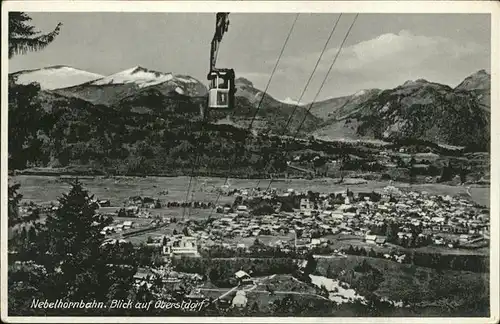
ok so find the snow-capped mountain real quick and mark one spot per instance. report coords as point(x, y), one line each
point(360, 93)
point(142, 77)
point(55, 77)
point(134, 81)
point(291, 101)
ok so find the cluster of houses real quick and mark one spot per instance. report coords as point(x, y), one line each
point(139, 203)
point(178, 283)
point(187, 287)
point(443, 219)
point(126, 225)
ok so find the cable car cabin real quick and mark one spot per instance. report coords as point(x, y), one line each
point(222, 89)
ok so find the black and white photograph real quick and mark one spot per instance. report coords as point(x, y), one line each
point(250, 161)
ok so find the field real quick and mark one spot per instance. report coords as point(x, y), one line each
point(118, 189)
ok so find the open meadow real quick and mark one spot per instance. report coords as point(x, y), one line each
point(119, 189)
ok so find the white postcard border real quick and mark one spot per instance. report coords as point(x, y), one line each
point(491, 7)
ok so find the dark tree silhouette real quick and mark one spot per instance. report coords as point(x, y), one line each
point(24, 38)
point(71, 262)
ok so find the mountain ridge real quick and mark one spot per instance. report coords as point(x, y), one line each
point(110, 89)
point(369, 114)
point(421, 109)
point(145, 130)
point(54, 77)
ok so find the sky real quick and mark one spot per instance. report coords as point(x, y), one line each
point(381, 51)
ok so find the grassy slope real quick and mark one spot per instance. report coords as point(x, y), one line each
point(417, 284)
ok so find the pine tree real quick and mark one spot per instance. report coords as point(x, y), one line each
point(26, 118)
point(24, 281)
point(23, 37)
point(391, 232)
point(24, 275)
point(74, 245)
point(24, 228)
point(25, 113)
point(463, 175)
point(329, 272)
point(446, 173)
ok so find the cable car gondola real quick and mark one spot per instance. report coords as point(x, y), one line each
point(221, 81)
point(221, 89)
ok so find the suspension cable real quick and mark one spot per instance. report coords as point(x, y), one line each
point(334, 27)
point(312, 74)
point(322, 83)
point(195, 163)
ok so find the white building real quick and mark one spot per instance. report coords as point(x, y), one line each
point(242, 208)
point(128, 224)
point(186, 246)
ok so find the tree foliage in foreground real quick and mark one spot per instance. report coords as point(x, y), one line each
point(65, 259)
point(24, 38)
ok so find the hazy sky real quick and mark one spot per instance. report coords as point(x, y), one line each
point(382, 50)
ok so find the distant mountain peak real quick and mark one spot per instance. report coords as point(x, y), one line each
point(55, 77)
point(55, 67)
point(481, 72)
point(397, 114)
point(243, 81)
point(138, 75)
point(135, 69)
point(365, 92)
point(359, 93)
point(291, 101)
point(139, 69)
point(415, 82)
point(479, 80)
point(132, 82)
